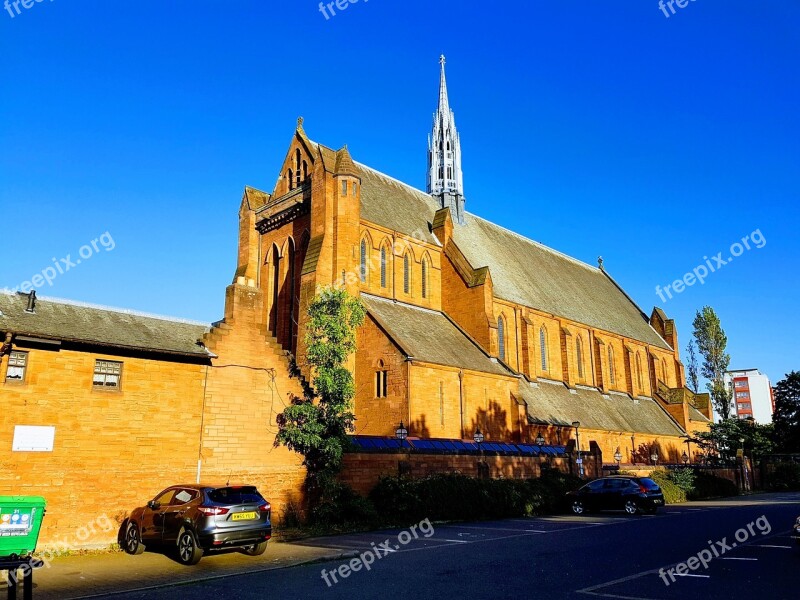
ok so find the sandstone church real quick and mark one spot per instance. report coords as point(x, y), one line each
point(471, 328)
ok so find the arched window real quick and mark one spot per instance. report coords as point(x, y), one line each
point(425, 277)
point(297, 164)
point(543, 347)
point(663, 370)
point(579, 347)
point(363, 268)
point(381, 381)
point(639, 371)
point(611, 370)
point(305, 170)
point(501, 338)
point(407, 274)
point(290, 178)
point(383, 267)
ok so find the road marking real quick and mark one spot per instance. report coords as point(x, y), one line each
point(456, 541)
point(691, 575)
point(736, 558)
point(770, 546)
point(496, 528)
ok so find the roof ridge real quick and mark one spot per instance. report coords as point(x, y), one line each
point(393, 179)
point(124, 311)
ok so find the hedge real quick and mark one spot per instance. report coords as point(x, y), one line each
point(454, 497)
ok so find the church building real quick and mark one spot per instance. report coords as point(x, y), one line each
point(470, 326)
point(473, 332)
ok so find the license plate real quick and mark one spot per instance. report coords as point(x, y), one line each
point(656, 501)
point(245, 516)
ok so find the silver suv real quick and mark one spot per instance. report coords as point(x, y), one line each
point(194, 519)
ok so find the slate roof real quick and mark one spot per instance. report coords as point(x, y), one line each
point(554, 404)
point(523, 271)
point(429, 336)
point(696, 415)
point(76, 322)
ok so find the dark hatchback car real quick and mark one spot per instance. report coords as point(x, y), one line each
point(632, 494)
point(193, 519)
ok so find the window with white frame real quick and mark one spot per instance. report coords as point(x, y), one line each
point(17, 366)
point(107, 374)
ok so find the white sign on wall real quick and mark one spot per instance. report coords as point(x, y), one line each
point(29, 438)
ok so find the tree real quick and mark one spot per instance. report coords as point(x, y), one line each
point(692, 369)
point(787, 413)
point(711, 343)
point(316, 426)
point(725, 438)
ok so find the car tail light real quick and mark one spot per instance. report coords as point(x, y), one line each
point(266, 507)
point(210, 511)
point(642, 489)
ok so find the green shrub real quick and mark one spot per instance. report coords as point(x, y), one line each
point(460, 498)
point(785, 477)
point(673, 493)
point(683, 478)
point(707, 486)
point(341, 505)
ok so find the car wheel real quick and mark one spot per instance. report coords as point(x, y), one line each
point(133, 539)
point(255, 549)
point(631, 507)
point(578, 508)
point(189, 553)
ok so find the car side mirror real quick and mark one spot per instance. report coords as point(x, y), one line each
point(153, 505)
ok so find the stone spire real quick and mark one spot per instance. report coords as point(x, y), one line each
point(445, 179)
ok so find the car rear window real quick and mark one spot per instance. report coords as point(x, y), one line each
point(648, 483)
point(235, 495)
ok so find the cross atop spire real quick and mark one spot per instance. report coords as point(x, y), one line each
point(445, 179)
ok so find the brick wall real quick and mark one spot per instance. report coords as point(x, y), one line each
point(113, 450)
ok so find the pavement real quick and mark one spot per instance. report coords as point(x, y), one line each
point(608, 555)
point(103, 574)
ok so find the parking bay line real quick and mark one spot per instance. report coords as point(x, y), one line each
point(498, 529)
point(770, 546)
point(735, 558)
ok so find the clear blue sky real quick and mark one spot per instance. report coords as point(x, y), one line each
point(598, 128)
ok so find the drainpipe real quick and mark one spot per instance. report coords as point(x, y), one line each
point(461, 399)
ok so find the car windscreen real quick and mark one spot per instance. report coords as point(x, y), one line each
point(648, 483)
point(235, 495)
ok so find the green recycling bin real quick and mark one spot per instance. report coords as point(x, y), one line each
point(20, 522)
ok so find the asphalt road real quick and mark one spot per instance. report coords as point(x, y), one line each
point(608, 556)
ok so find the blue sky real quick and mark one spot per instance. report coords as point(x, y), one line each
point(600, 128)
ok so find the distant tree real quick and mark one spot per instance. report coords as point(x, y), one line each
point(787, 413)
point(711, 343)
point(724, 439)
point(692, 369)
point(316, 426)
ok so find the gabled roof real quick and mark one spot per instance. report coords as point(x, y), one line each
point(429, 336)
point(67, 321)
point(552, 403)
point(523, 271)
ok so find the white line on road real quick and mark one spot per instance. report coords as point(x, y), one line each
point(735, 558)
point(691, 575)
point(496, 528)
point(770, 546)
